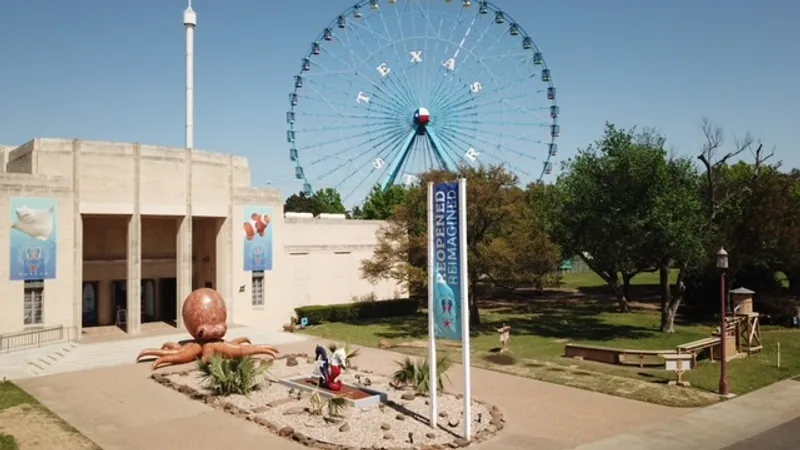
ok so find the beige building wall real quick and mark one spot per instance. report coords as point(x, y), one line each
point(134, 212)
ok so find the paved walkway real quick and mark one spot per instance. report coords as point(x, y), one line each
point(762, 418)
point(121, 408)
point(67, 357)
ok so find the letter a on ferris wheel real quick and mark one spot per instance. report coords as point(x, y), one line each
point(390, 89)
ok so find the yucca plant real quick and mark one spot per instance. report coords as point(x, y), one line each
point(416, 374)
point(334, 405)
point(240, 376)
point(348, 350)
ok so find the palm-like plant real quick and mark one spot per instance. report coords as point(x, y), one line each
point(348, 350)
point(416, 374)
point(240, 376)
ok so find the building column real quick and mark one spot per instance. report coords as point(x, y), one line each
point(184, 265)
point(222, 269)
point(184, 243)
point(77, 247)
point(134, 285)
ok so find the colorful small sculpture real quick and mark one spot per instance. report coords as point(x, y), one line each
point(206, 319)
point(505, 336)
point(328, 371)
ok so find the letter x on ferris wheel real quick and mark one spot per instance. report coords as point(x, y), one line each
point(393, 88)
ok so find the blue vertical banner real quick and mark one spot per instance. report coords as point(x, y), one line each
point(447, 262)
point(257, 242)
point(34, 238)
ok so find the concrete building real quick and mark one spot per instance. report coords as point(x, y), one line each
point(103, 233)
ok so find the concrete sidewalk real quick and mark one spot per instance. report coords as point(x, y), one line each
point(122, 408)
point(766, 414)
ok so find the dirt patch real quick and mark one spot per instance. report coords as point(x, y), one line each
point(36, 429)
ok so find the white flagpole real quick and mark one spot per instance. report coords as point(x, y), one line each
point(465, 347)
point(432, 379)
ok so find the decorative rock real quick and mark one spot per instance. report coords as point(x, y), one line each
point(452, 423)
point(443, 414)
point(408, 396)
point(280, 401)
point(385, 343)
point(344, 428)
point(386, 427)
point(430, 435)
point(388, 436)
point(291, 361)
point(460, 396)
point(294, 410)
point(400, 417)
point(187, 390)
point(286, 432)
point(458, 443)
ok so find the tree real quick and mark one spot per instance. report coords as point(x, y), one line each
point(600, 208)
point(502, 241)
point(324, 201)
point(380, 203)
point(718, 194)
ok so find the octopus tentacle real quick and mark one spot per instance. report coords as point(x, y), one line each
point(230, 351)
point(187, 353)
point(171, 346)
point(240, 341)
point(156, 352)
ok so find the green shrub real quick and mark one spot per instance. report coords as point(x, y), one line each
point(240, 376)
point(358, 311)
point(8, 442)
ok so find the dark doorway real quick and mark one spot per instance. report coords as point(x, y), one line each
point(89, 304)
point(120, 290)
point(168, 295)
point(148, 300)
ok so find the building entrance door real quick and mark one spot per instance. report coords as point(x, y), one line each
point(89, 304)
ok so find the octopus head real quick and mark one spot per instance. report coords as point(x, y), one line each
point(205, 315)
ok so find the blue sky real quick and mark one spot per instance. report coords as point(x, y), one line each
point(114, 70)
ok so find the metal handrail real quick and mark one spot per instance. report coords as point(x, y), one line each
point(31, 338)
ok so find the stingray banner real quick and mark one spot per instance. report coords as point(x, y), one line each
point(34, 238)
point(447, 229)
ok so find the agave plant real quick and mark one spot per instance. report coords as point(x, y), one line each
point(240, 376)
point(335, 405)
point(416, 374)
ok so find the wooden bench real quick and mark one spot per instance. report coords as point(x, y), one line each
point(695, 347)
point(610, 355)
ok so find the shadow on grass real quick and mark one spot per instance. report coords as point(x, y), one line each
point(549, 314)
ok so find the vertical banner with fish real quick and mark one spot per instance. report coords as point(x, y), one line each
point(34, 238)
point(258, 253)
point(448, 287)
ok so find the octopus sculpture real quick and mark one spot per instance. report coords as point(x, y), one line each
point(205, 318)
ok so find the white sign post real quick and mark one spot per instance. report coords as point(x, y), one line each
point(448, 285)
point(465, 347)
point(432, 384)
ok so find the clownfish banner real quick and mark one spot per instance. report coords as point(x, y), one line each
point(447, 268)
point(257, 229)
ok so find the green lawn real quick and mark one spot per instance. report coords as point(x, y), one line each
point(542, 326)
point(58, 432)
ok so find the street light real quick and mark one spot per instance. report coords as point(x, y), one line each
point(722, 266)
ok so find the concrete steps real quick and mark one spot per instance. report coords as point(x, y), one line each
point(74, 357)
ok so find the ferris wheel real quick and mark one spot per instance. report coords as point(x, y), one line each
point(394, 88)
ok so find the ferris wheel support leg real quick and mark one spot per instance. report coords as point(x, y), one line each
point(447, 160)
point(399, 162)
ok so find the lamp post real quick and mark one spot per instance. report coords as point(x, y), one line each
point(722, 266)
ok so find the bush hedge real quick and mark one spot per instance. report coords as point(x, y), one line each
point(358, 311)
